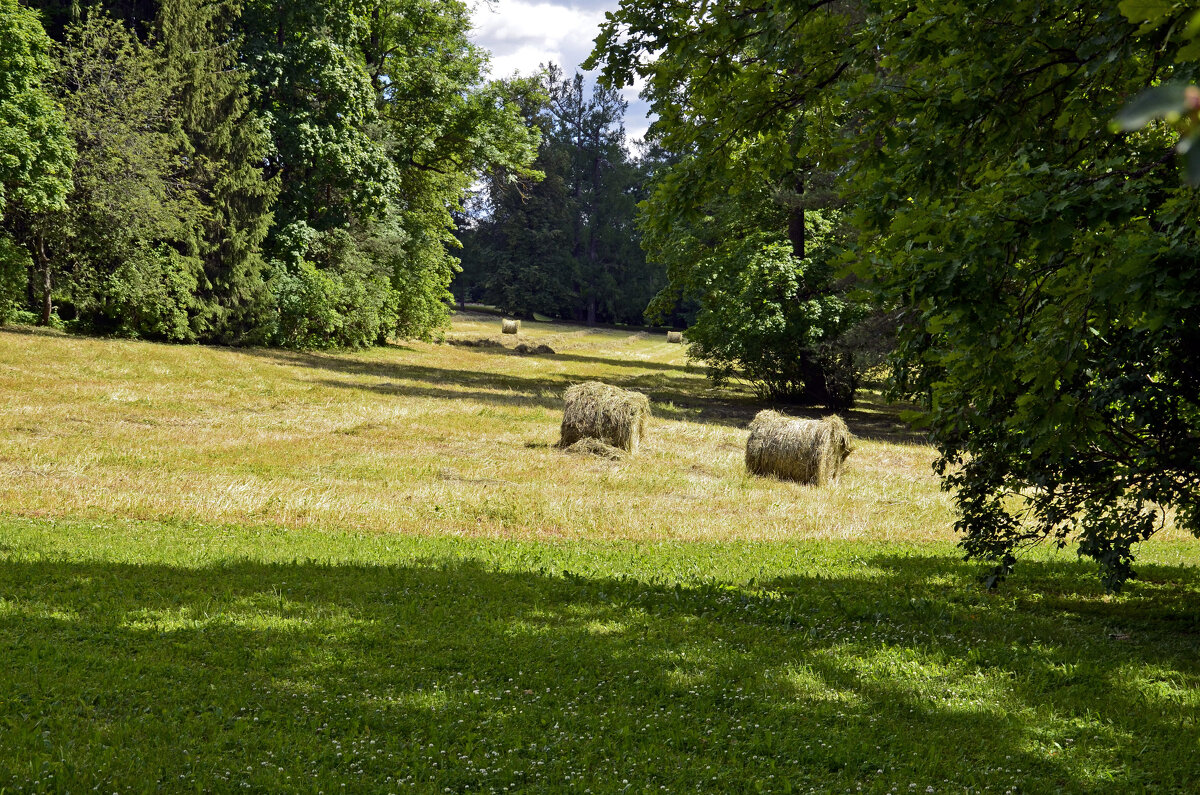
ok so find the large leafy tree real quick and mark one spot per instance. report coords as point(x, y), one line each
point(124, 243)
point(743, 216)
point(382, 120)
point(1046, 269)
point(1043, 269)
point(36, 150)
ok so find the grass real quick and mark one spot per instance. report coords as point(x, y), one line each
point(226, 570)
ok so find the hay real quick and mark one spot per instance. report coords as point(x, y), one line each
point(510, 326)
point(593, 410)
point(526, 350)
point(595, 447)
point(675, 337)
point(808, 451)
point(480, 343)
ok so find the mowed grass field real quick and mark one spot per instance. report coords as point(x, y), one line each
point(228, 570)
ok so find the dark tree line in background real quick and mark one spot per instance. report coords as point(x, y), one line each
point(564, 244)
point(253, 172)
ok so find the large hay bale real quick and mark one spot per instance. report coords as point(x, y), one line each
point(510, 326)
point(808, 451)
point(675, 337)
point(593, 410)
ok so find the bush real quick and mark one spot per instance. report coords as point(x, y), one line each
point(14, 278)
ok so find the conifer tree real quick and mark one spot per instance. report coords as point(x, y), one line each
point(228, 143)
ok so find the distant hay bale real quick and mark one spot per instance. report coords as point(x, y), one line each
point(595, 447)
point(675, 337)
point(593, 410)
point(510, 326)
point(807, 451)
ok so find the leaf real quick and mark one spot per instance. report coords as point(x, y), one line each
point(1159, 102)
point(1150, 12)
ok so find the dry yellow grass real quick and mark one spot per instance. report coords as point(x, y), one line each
point(419, 438)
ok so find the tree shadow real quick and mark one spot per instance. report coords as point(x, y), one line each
point(675, 395)
point(496, 348)
point(470, 678)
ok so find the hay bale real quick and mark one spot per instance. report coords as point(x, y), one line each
point(593, 410)
point(675, 337)
point(808, 451)
point(594, 447)
point(510, 326)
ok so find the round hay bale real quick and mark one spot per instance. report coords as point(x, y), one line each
point(594, 447)
point(807, 451)
point(510, 326)
point(593, 410)
point(675, 337)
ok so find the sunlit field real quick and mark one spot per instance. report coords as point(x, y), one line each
point(373, 572)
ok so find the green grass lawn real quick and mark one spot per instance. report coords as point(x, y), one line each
point(267, 572)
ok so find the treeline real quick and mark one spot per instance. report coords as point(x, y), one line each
point(242, 172)
point(564, 243)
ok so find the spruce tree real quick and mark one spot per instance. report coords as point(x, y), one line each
point(229, 142)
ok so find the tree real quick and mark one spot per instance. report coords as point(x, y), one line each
point(227, 143)
point(1043, 270)
point(743, 216)
point(381, 122)
point(121, 243)
point(565, 244)
point(36, 151)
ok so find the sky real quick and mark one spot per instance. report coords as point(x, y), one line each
point(521, 34)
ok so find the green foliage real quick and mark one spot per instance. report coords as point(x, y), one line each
point(15, 264)
point(564, 243)
point(363, 124)
point(331, 295)
point(1046, 276)
point(227, 143)
point(123, 247)
point(35, 147)
point(746, 165)
point(1043, 272)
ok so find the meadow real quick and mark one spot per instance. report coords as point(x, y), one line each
point(270, 571)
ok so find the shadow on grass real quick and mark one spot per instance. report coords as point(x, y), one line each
point(674, 394)
point(462, 677)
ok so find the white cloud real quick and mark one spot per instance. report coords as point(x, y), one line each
point(523, 34)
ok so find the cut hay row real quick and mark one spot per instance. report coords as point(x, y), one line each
point(615, 416)
point(807, 451)
point(510, 326)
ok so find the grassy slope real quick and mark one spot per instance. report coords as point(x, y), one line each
point(229, 570)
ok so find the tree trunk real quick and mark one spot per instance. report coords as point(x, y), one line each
point(796, 224)
point(44, 261)
point(591, 311)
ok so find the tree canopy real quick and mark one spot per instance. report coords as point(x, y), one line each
point(1041, 267)
point(260, 172)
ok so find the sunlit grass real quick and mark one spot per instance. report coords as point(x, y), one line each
point(419, 438)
